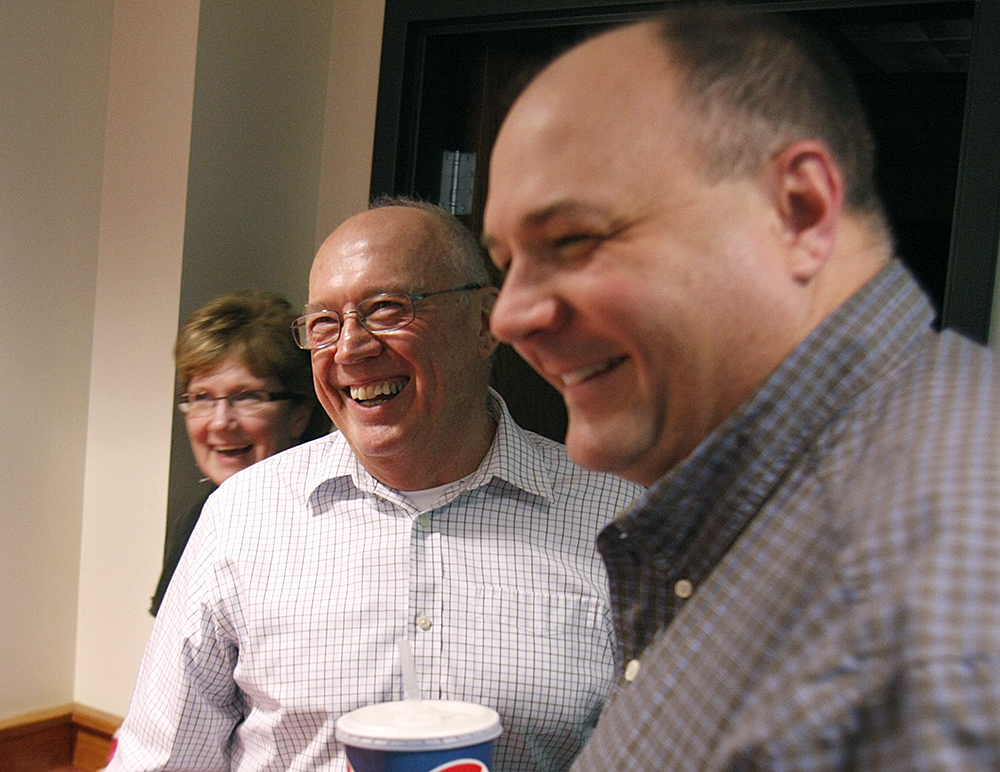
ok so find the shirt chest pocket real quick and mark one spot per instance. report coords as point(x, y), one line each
point(543, 649)
point(552, 615)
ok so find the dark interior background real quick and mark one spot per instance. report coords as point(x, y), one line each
point(926, 73)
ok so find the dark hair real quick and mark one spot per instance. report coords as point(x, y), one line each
point(256, 327)
point(761, 82)
point(464, 255)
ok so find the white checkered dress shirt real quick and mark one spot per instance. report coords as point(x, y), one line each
point(304, 571)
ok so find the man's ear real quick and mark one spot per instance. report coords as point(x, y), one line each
point(487, 343)
point(809, 195)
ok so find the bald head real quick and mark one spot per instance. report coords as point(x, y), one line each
point(406, 234)
point(752, 84)
point(595, 79)
point(424, 227)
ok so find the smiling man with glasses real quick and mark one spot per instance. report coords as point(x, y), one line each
point(379, 313)
point(429, 516)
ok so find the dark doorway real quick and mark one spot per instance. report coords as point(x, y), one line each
point(923, 71)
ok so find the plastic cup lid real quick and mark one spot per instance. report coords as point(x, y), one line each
point(418, 725)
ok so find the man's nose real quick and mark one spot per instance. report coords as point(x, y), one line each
point(524, 306)
point(355, 341)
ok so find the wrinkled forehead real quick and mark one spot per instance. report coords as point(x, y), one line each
point(382, 250)
point(230, 368)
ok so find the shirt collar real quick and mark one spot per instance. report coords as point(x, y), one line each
point(512, 458)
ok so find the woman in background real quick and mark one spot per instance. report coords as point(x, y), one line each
point(246, 392)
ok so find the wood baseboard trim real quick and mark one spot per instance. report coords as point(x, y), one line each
point(94, 730)
point(66, 736)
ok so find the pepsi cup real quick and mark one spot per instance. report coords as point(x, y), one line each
point(419, 736)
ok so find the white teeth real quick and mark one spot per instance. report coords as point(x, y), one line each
point(570, 379)
point(236, 450)
point(578, 376)
point(362, 393)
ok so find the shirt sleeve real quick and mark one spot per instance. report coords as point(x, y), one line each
point(186, 705)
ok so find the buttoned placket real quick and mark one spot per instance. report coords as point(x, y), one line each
point(648, 600)
point(426, 603)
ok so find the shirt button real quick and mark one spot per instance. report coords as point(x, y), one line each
point(424, 520)
point(683, 589)
point(424, 622)
point(632, 670)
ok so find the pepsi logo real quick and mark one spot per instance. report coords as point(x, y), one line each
point(457, 765)
point(462, 765)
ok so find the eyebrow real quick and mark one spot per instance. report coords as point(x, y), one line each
point(563, 206)
point(539, 216)
point(311, 308)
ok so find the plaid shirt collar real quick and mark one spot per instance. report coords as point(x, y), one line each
point(680, 523)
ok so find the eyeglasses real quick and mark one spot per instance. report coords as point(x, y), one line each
point(379, 313)
point(242, 403)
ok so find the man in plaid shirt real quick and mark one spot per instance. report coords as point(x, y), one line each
point(696, 256)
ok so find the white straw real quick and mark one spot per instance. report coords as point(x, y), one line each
point(411, 686)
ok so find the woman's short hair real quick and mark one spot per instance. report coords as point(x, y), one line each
point(257, 328)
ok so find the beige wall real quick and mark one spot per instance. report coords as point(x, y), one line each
point(148, 128)
point(97, 100)
point(53, 89)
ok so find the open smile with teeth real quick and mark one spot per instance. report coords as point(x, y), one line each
point(232, 451)
point(586, 373)
point(377, 393)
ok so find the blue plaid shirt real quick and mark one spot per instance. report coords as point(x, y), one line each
point(818, 586)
